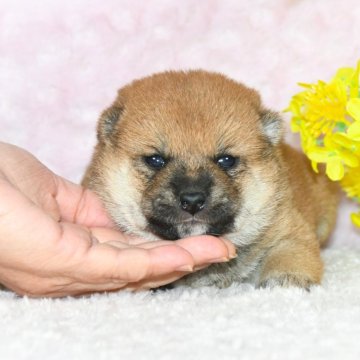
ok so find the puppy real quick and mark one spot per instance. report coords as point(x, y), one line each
point(190, 153)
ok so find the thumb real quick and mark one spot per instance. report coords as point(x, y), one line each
point(80, 205)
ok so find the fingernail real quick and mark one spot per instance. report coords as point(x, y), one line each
point(219, 260)
point(185, 268)
point(232, 249)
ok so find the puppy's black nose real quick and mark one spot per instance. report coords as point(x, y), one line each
point(192, 202)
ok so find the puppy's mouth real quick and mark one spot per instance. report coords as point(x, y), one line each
point(191, 221)
point(185, 228)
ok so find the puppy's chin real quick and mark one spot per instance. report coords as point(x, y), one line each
point(192, 228)
point(169, 231)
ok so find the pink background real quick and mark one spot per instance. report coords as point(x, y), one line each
point(62, 62)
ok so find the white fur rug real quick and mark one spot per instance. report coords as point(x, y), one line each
point(61, 63)
point(236, 323)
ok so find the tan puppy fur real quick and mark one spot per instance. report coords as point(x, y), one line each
point(188, 153)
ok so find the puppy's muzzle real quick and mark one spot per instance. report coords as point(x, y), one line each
point(192, 202)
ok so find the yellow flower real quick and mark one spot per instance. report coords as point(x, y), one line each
point(351, 183)
point(322, 105)
point(327, 116)
point(355, 218)
point(350, 78)
point(334, 166)
point(353, 108)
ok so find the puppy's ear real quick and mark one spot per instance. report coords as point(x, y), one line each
point(272, 126)
point(108, 120)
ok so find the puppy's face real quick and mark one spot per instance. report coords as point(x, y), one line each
point(183, 154)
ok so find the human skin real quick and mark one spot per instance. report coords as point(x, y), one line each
point(57, 240)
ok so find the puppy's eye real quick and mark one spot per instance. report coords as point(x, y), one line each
point(155, 161)
point(226, 161)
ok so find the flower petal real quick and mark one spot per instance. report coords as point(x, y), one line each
point(354, 131)
point(314, 166)
point(349, 158)
point(318, 154)
point(353, 108)
point(344, 74)
point(355, 218)
point(335, 169)
point(339, 139)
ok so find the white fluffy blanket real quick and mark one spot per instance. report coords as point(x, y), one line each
point(61, 63)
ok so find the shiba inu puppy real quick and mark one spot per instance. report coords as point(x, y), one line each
point(189, 153)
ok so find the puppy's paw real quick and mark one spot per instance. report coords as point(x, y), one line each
point(287, 280)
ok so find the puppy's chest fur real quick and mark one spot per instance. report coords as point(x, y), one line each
point(191, 153)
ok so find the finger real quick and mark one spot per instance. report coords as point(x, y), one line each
point(207, 249)
point(104, 261)
point(204, 249)
point(121, 244)
point(107, 235)
point(205, 246)
point(80, 205)
point(144, 245)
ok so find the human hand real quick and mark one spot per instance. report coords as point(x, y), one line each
point(57, 240)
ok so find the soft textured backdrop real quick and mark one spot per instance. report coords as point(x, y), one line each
point(61, 63)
